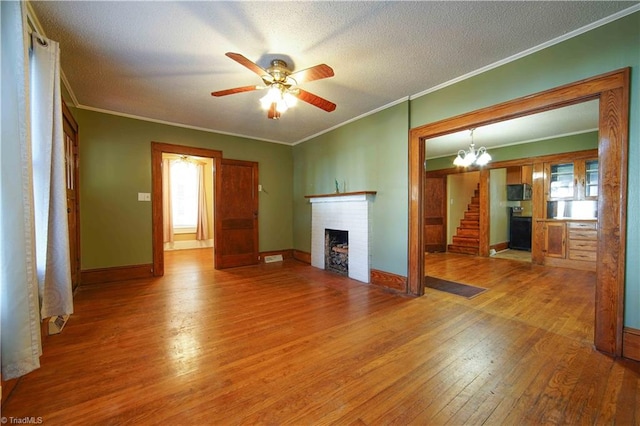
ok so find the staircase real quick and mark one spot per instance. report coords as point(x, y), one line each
point(467, 238)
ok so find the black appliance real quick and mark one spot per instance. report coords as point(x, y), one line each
point(519, 230)
point(519, 192)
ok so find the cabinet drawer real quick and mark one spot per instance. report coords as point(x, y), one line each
point(586, 245)
point(589, 256)
point(579, 234)
point(582, 225)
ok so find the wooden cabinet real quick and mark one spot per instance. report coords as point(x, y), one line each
point(583, 241)
point(570, 244)
point(520, 174)
point(555, 235)
point(577, 180)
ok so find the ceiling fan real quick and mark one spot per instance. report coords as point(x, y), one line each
point(282, 85)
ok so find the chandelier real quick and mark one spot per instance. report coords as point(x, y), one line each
point(479, 157)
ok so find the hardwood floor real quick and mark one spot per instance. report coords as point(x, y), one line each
point(286, 343)
point(521, 255)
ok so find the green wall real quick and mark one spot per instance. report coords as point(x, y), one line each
point(115, 155)
point(318, 161)
point(369, 155)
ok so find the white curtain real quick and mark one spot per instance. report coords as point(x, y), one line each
point(202, 226)
point(49, 181)
point(34, 248)
point(20, 317)
point(167, 206)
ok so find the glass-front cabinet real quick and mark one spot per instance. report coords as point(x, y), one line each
point(561, 181)
point(591, 179)
point(572, 189)
point(577, 180)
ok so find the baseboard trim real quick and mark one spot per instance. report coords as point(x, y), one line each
point(500, 246)
point(286, 254)
point(302, 256)
point(389, 280)
point(631, 343)
point(118, 273)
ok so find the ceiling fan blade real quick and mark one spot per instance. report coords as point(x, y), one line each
point(234, 90)
point(248, 64)
point(316, 100)
point(273, 112)
point(314, 73)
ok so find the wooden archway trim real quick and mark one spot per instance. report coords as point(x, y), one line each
point(612, 90)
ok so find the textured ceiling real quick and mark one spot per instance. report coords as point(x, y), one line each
point(162, 60)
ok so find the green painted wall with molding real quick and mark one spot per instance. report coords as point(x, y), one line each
point(115, 155)
point(369, 155)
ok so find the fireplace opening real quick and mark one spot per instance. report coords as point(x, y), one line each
point(336, 251)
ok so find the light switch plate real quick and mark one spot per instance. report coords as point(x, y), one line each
point(144, 196)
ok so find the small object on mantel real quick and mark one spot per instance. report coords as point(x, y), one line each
point(337, 188)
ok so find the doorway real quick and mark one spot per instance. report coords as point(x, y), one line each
point(612, 90)
point(158, 150)
point(236, 207)
point(188, 220)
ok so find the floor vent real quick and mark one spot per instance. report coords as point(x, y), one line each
point(274, 258)
point(56, 324)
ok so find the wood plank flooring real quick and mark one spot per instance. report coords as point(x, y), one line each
point(286, 343)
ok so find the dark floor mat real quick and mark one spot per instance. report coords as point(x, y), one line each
point(458, 289)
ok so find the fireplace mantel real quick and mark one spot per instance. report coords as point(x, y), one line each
point(341, 196)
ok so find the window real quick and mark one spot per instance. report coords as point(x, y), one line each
point(184, 195)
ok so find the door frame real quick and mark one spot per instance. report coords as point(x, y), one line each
point(612, 91)
point(157, 215)
point(69, 124)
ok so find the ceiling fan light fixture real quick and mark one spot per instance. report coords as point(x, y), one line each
point(281, 106)
point(279, 95)
point(265, 103)
point(290, 100)
point(274, 95)
point(282, 85)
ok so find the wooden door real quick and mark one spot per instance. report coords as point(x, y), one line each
point(70, 130)
point(435, 214)
point(236, 238)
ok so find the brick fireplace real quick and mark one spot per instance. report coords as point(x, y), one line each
point(350, 212)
